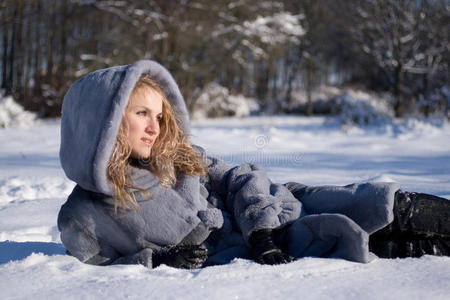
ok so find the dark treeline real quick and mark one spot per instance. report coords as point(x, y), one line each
point(262, 49)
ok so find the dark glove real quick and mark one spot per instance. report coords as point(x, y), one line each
point(264, 251)
point(184, 257)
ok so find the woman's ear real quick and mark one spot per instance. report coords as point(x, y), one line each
point(124, 123)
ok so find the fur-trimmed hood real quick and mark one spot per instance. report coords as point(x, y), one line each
point(91, 115)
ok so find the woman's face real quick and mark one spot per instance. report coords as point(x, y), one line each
point(143, 115)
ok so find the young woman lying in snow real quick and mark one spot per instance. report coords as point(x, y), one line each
point(146, 195)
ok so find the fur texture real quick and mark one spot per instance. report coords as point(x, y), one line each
point(221, 209)
point(91, 114)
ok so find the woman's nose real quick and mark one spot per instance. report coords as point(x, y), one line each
point(152, 127)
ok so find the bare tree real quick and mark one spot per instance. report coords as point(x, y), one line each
point(263, 49)
point(389, 32)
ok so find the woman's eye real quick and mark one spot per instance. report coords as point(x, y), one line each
point(142, 113)
point(159, 118)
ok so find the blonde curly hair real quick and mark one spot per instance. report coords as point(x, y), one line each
point(171, 153)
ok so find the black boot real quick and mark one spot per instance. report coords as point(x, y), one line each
point(422, 214)
point(421, 226)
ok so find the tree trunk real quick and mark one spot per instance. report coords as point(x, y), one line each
point(29, 52)
point(19, 58)
point(37, 54)
point(274, 92)
point(12, 54)
point(309, 87)
point(49, 47)
point(426, 109)
point(398, 91)
point(262, 83)
point(6, 26)
point(290, 82)
point(62, 63)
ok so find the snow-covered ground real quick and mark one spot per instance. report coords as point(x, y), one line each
point(314, 151)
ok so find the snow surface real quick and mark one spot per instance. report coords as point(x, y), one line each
point(313, 151)
point(13, 114)
point(216, 101)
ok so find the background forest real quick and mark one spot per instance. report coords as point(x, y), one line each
point(281, 53)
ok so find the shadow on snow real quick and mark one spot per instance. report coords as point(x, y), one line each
point(10, 251)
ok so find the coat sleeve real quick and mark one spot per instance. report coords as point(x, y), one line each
point(83, 244)
point(78, 235)
point(255, 202)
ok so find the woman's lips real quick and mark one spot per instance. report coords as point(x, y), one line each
point(147, 141)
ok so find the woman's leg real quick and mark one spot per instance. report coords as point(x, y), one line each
point(421, 222)
point(370, 205)
point(421, 226)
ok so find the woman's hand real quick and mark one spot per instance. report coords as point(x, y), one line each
point(184, 257)
point(264, 250)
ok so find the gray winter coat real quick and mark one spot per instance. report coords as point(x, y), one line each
point(220, 210)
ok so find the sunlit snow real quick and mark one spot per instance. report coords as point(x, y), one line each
point(314, 151)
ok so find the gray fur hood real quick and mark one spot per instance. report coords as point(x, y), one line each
point(92, 111)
